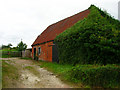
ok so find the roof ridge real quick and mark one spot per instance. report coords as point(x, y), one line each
point(63, 20)
point(58, 27)
point(68, 17)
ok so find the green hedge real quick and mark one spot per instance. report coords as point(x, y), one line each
point(6, 54)
point(95, 39)
point(96, 76)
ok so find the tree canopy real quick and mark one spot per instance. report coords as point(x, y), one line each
point(21, 46)
point(7, 46)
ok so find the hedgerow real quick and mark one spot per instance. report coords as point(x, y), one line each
point(95, 39)
point(96, 76)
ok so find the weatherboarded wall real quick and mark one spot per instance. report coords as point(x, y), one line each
point(46, 51)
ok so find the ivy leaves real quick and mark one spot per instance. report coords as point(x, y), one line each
point(90, 39)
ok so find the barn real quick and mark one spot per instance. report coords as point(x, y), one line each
point(44, 47)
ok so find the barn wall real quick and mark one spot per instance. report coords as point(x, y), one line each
point(46, 51)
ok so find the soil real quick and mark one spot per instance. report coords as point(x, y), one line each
point(28, 79)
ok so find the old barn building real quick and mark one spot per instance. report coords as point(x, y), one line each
point(44, 47)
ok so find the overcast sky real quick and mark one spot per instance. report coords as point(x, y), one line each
point(26, 19)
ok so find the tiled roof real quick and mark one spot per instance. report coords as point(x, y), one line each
point(55, 29)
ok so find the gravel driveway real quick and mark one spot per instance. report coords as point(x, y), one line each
point(28, 79)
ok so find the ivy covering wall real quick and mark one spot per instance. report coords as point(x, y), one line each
point(95, 39)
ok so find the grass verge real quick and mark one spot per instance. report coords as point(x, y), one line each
point(9, 75)
point(86, 76)
point(61, 71)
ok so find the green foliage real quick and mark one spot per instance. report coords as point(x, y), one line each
point(6, 46)
point(62, 71)
point(86, 75)
point(8, 54)
point(21, 46)
point(8, 49)
point(56, 68)
point(9, 45)
point(95, 39)
point(97, 76)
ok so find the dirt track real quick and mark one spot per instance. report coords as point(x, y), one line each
point(40, 79)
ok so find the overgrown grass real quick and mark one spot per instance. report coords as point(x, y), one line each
point(86, 76)
point(61, 70)
point(97, 76)
point(9, 75)
point(55, 67)
point(6, 56)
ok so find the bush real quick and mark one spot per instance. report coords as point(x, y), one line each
point(96, 76)
point(96, 39)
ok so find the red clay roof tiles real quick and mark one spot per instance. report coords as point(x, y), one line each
point(55, 29)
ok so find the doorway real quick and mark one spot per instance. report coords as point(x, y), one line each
point(34, 53)
point(55, 53)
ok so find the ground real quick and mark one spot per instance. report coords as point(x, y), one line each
point(30, 75)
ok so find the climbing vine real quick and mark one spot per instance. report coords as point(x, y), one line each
point(95, 39)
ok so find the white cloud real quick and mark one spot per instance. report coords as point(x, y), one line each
point(26, 19)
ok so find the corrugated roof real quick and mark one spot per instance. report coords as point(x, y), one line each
point(55, 29)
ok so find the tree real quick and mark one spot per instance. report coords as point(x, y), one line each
point(14, 48)
point(9, 45)
point(21, 46)
point(4, 46)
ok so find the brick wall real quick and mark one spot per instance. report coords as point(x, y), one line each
point(46, 51)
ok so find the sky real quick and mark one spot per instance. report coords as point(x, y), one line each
point(26, 19)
